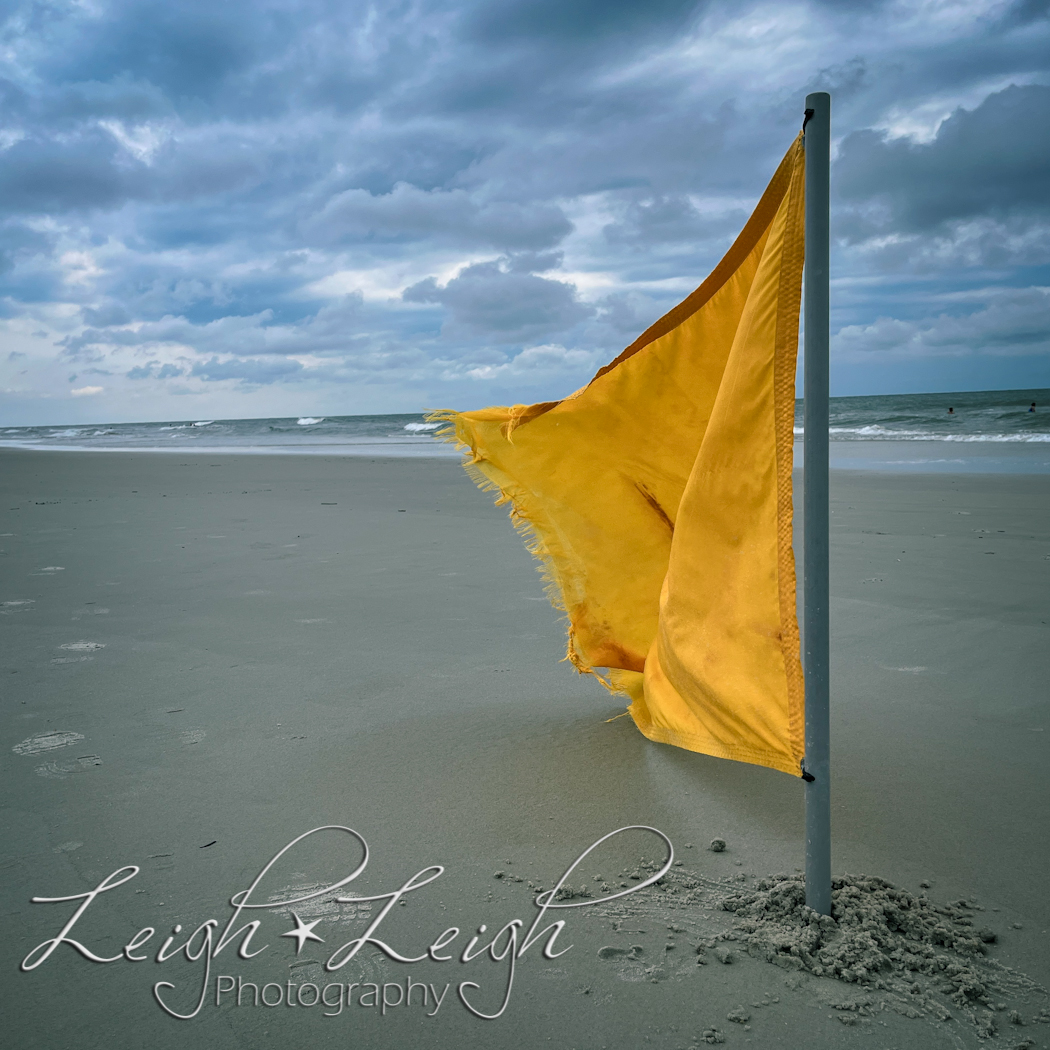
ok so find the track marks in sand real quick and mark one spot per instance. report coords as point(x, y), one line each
point(61, 770)
point(46, 742)
point(347, 914)
point(36, 745)
point(78, 647)
point(910, 670)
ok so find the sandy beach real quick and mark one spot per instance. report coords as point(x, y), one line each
point(208, 655)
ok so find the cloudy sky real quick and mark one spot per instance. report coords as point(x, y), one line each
point(237, 208)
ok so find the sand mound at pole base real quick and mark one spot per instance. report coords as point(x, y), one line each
point(926, 955)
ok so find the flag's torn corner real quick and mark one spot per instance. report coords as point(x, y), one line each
point(658, 501)
point(489, 478)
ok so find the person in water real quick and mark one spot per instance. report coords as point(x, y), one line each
point(1032, 409)
point(951, 411)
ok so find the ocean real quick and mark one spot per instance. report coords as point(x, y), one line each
point(987, 432)
point(986, 416)
point(394, 435)
point(991, 431)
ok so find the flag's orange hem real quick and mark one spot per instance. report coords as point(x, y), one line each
point(706, 746)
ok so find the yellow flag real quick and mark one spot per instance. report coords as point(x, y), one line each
point(658, 500)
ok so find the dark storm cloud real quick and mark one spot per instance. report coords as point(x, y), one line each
point(408, 214)
point(186, 49)
point(498, 301)
point(581, 23)
point(19, 243)
point(1028, 11)
point(247, 370)
point(266, 192)
point(106, 315)
point(668, 219)
point(66, 105)
point(48, 176)
point(991, 161)
point(154, 370)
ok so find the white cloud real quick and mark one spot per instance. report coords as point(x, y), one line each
point(142, 141)
point(80, 267)
point(919, 119)
point(1012, 322)
point(537, 363)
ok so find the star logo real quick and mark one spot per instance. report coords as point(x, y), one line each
point(303, 932)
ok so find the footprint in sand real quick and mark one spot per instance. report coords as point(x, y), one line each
point(67, 847)
point(193, 736)
point(910, 670)
point(61, 770)
point(35, 745)
point(83, 647)
point(50, 570)
point(345, 914)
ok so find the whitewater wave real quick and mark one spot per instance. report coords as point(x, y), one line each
point(875, 432)
point(401, 434)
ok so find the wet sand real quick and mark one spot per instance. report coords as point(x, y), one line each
point(240, 649)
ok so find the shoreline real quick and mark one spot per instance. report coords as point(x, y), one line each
point(911, 456)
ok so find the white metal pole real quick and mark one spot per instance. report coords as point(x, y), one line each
point(815, 585)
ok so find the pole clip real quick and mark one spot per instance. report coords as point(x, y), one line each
point(806, 120)
point(806, 775)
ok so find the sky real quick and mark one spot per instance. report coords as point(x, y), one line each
point(322, 207)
